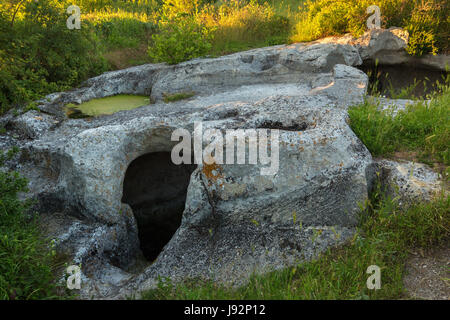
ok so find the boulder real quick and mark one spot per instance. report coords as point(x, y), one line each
point(393, 106)
point(348, 80)
point(409, 182)
point(374, 43)
point(387, 47)
point(32, 124)
point(237, 222)
point(296, 64)
point(106, 185)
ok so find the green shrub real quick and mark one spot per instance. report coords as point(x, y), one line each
point(216, 29)
point(119, 29)
point(429, 28)
point(39, 54)
point(146, 7)
point(180, 40)
point(175, 9)
point(26, 259)
point(427, 21)
point(242, 24)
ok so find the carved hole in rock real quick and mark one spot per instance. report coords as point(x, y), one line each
point(155, 188)
point(389, 80)
point(280, 126)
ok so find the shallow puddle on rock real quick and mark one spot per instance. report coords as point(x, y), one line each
point(108, 105)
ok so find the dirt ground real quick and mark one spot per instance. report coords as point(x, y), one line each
point(428, 274)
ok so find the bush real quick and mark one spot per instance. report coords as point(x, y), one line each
point(26, 259)
point(180, 40)
point(174, 9)
point(204, 28)
point(429, 28)
point(146, 7)
point(427, 21)
point(247, 23)
point(119, 29)
point(39, 54)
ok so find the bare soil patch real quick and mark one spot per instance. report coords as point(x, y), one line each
point(428, 274)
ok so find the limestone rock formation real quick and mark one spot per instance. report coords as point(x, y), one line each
point(409, 182)
point(110, 194)
point(387, 47)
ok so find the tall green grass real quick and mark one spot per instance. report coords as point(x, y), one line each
point(191, 29)
point(27, 260)
point(146, 7)
point(120, 29)
point(422, 127)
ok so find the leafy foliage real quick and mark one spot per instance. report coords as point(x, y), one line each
point(189, 30)
point(26, 259)
point(181, 40)
point(429, 27)
point(426, 20)
point(40, 54)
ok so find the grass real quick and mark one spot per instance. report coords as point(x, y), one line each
point(27, 260)
point(108, 105)
point(178, 96)
point(241, 27)
point(421, 127)
point(384, 237)
point(120, 29)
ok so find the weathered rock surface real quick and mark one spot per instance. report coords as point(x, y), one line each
point(409, 182)
point(347, 88)
point(387, 47)
point(375, 43)
point(393, 106)
point(235, 220)
point(33, 123)
point(296, 64)
point(233, 224)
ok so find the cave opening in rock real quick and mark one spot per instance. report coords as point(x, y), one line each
point(402, 81)
point(155, 188)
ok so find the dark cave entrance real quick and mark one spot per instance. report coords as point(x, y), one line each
point(402, 81)
point(155, 188)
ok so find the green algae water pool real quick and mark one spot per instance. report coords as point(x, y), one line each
point(108, 105)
